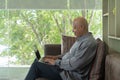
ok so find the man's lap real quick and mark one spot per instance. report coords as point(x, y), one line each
point(46, 70)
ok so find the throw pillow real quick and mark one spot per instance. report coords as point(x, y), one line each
point(98, 67)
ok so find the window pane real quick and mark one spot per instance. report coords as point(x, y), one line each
point(4, 44)
point(20, 30)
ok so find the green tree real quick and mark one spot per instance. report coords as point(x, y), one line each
point(20, 30)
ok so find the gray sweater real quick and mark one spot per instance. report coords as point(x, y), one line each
point(76, 63)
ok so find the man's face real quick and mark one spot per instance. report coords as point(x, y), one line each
point(77, 29)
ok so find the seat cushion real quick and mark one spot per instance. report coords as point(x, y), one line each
point(67, 42)
point(98, 67)
point(112, 66)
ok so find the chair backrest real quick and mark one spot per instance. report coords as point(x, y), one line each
point(98, 67)
point(67, 42)
point(57, 49)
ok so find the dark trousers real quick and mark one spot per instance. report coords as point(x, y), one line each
point(39, 69)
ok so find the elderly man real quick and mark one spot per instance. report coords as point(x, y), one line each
point(75, 64)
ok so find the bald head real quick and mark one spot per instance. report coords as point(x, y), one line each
point(81, 21)
point(80, 26)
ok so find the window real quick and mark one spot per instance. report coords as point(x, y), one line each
point(25, 24)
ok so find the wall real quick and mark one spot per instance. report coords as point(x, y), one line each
point(111, 24)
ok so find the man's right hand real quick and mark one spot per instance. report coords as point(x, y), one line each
point(50, 59)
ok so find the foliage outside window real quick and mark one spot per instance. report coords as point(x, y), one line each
point(20, 30)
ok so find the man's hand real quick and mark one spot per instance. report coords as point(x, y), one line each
point(51, 62)
point(50, 59)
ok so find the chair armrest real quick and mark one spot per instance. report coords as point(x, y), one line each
point(52, 49)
